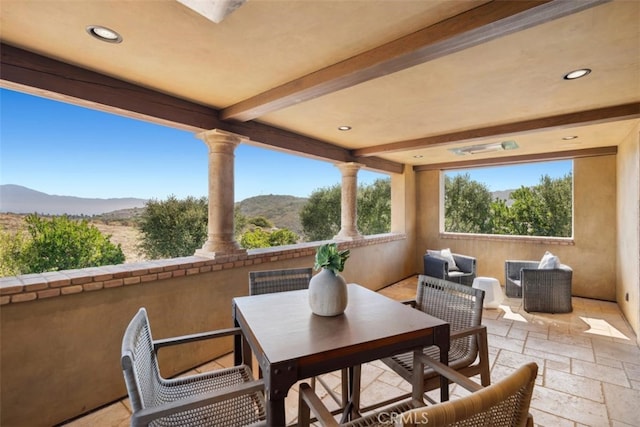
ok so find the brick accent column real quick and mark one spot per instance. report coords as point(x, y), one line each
point(348, 215)
point(221, 193)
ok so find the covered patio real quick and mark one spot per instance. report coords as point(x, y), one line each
point(589, 371)
point(411, 80)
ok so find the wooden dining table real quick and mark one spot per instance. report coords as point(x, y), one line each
point(291, 343)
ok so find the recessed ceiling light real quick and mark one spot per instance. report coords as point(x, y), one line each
point(570, 137)
point(104, 34)
point(576, 74)
point(344, 128)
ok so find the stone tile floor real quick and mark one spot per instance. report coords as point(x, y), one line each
point(589, 365)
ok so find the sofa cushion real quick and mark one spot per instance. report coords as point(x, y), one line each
point(446, 254)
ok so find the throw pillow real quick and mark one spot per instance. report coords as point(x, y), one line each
point(446, 254)
point(549, 261)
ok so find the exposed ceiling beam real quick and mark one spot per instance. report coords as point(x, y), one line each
point(32, 73)
point(526, 158)
point(479, 25)
point(599, 115)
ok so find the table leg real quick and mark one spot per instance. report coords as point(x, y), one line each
point(279, 379)
point(275, 412)
point(443, 341)
point(351, 400)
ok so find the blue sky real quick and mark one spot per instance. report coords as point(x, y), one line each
point(62, 149)
point(513, 177)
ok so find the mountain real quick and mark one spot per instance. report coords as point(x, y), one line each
point(282, 211)
point(504, 195)
point(18, 199)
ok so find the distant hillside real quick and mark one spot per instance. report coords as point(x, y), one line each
point(283, 211)
point(18, 199)
point(504, 195)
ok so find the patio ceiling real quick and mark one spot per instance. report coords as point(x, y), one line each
point(412, 78)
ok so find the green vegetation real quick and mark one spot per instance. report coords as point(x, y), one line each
point(58, 243)
point(541, 210)
point(176, 228)
point(321, 215)
point(173, 228)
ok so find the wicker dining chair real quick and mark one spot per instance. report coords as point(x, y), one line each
point(269, 281)
point(461, 306)
point(293, 279)
point(223, 397)
point(503, 404)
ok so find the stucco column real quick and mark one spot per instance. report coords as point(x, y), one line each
point(221, 193)
point(348, 213)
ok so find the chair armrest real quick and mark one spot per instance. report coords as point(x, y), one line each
point(448, 372)
point(468, 331)
point(157, 344)
point(435, 266)
point(146, 415)
point(308, 400)
point(513, 267)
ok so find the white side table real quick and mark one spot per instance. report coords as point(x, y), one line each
point(493, 295)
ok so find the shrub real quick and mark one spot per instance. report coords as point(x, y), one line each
point(59, 243)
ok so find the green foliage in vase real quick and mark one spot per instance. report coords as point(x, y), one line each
point(329, 257)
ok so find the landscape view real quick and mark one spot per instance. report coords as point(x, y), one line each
point(117, 217)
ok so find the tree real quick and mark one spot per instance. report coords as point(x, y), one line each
point(541, 210)
point(374, 207)
point(11, 246)
point(260, 221)
point(545, 209)
point(240, 222)
point(255, 238)
point(467, 205)
point(173, 228)
point(60, 243)
point(259, 238)
point(500, 219)
point(283, 236)
point(320, 216)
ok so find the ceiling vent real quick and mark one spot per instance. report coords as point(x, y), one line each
point(484, 148)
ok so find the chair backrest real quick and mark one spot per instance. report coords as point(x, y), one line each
point(265, 282)
point(504, 403)
point(457, 304)
point(139, 364)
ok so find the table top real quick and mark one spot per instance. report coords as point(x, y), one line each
point(285, 329)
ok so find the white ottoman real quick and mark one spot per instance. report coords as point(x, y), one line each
point(492, 291)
